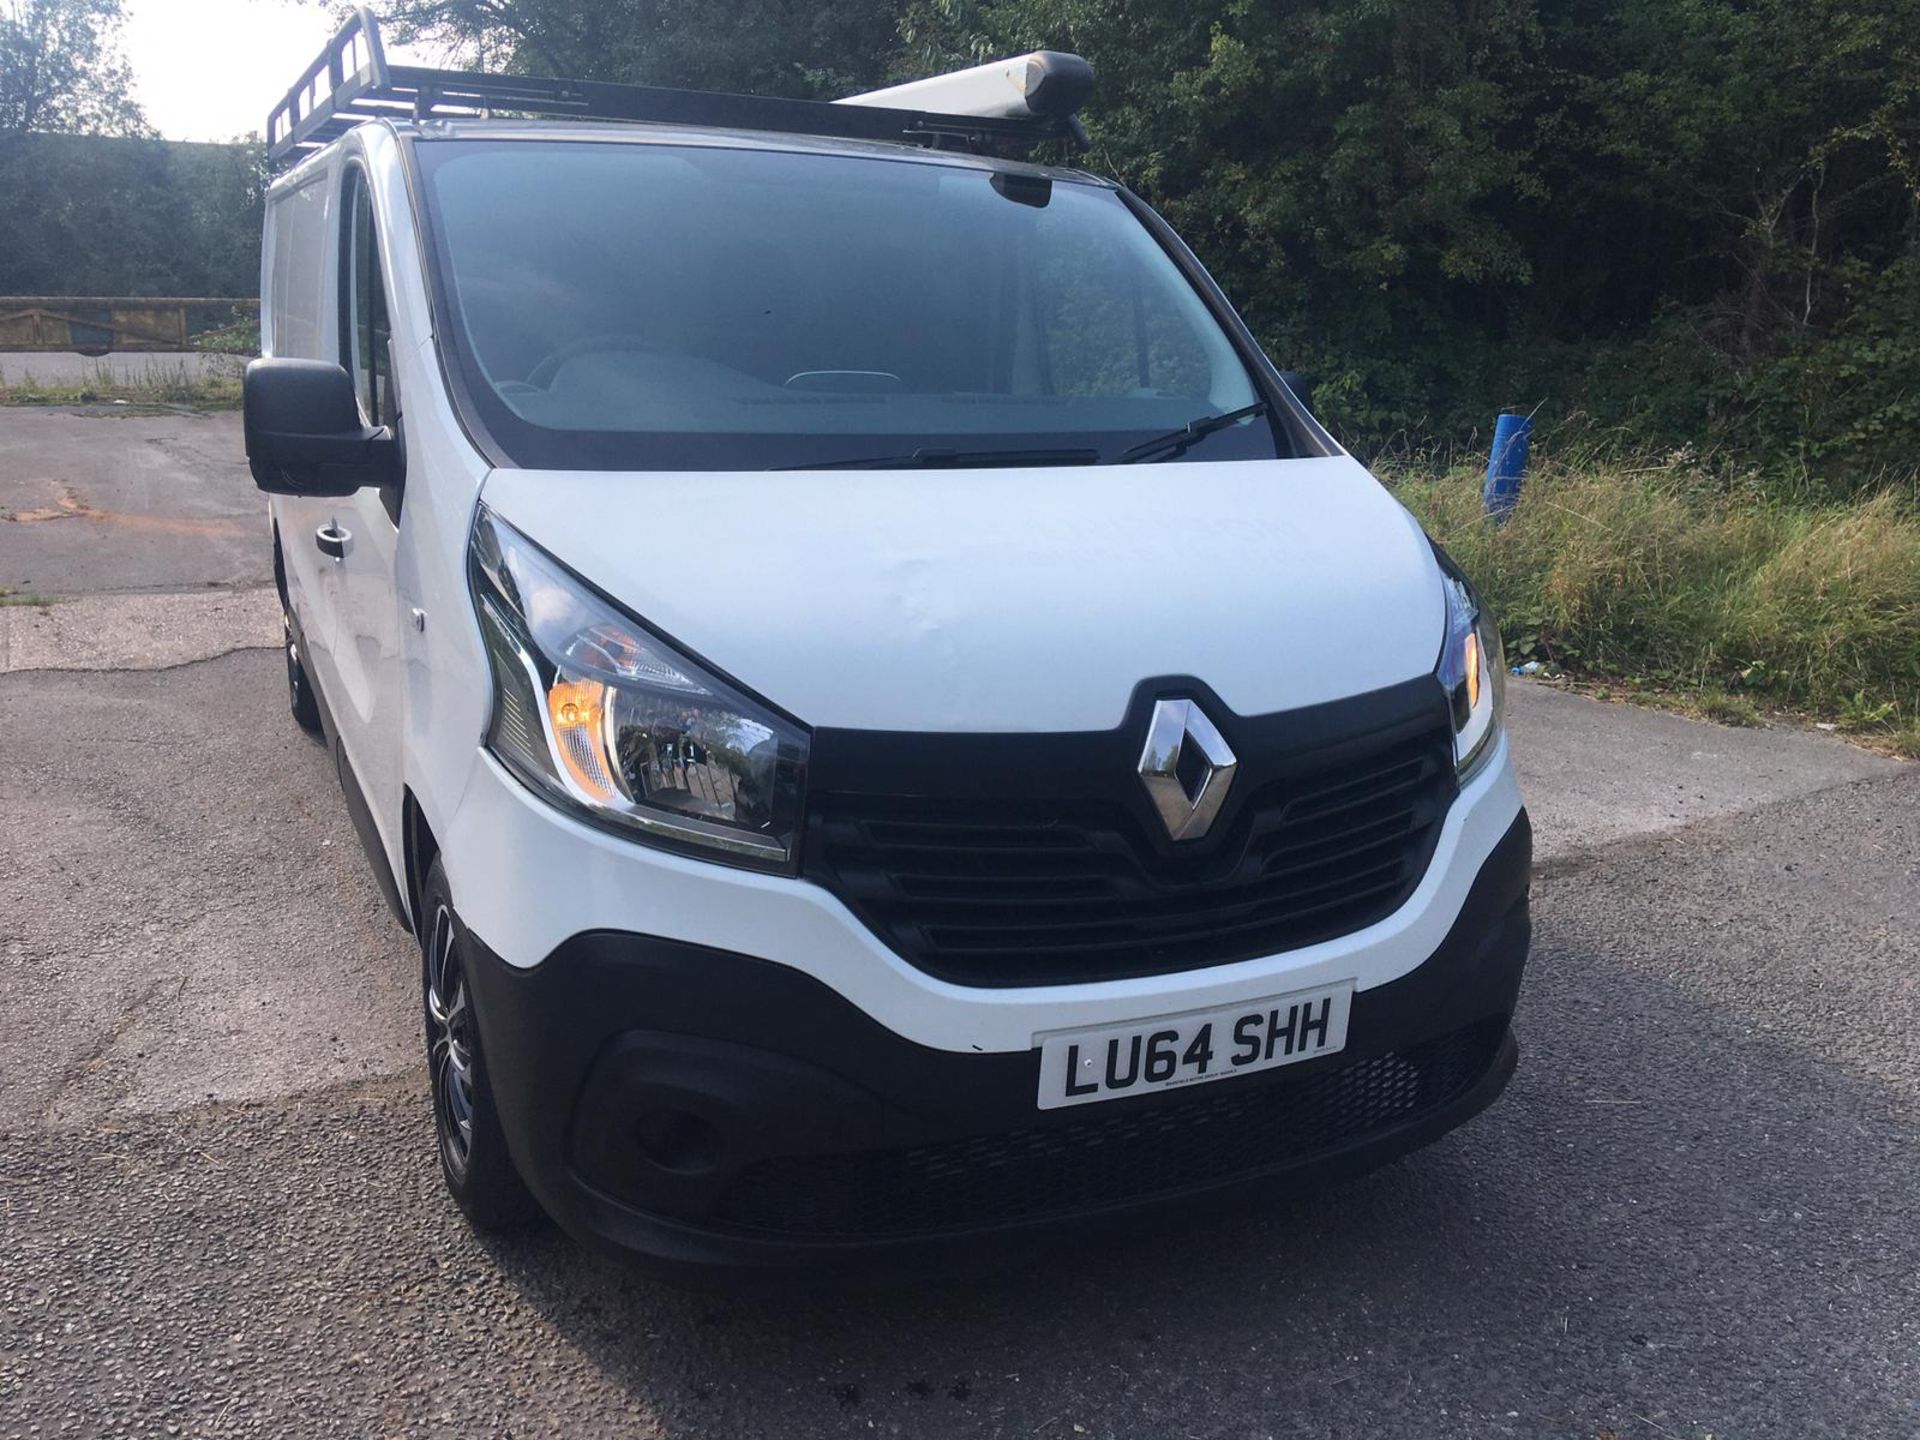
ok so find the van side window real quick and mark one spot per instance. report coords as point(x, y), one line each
point(364, 305)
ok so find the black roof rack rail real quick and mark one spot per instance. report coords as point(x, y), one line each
point(352, 82)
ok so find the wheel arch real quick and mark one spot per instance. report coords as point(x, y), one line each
point(421, 846)
point(280, 569)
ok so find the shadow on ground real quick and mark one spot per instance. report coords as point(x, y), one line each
point(1694, 1213)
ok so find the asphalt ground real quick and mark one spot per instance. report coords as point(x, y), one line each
point(1694, 1213)
point(100, 499)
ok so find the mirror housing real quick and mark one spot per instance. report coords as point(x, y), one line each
point(305, 435)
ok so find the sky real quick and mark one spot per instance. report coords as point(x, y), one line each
point(211, 69)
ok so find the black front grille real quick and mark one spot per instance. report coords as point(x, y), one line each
point(986, 890)
point(1110, 1154)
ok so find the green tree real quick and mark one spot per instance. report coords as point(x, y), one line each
point(777, 47)
point(114, 215)
point(61, 69)
point(1348, 170)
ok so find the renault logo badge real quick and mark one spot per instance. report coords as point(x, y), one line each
point(1186, 767)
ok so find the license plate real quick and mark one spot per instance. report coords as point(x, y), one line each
point(1078, 1067)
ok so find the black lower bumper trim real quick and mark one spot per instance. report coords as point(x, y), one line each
point(708, 1109)
point(1115, 1156)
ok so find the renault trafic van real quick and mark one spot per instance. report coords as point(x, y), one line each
point(890, 723)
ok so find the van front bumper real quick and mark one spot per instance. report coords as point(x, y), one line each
point(706, 1109)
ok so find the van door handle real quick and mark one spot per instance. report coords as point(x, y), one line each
point(332, 540)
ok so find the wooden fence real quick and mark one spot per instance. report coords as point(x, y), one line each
point(94, 325)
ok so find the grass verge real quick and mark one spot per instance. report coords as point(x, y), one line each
point(1662, 581)
point(154, 383)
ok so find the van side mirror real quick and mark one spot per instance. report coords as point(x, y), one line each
point(1297, 383)
point(305, 435)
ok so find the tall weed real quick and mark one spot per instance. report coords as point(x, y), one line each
point(1660, 572)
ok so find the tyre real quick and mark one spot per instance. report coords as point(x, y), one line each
point(473, 1152)
point(306, 709)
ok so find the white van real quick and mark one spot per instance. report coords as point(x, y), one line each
point(890, 722)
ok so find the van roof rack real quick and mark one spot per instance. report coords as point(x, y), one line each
point(1038, 97)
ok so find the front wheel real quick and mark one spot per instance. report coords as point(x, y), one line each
point(473, 1151)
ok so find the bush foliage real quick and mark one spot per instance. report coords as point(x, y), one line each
point(1695, 218)
point(1663, 575)
point(121, 215)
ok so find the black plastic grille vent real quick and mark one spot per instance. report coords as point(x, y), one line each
point(1108, 1155)
point(1000, 891)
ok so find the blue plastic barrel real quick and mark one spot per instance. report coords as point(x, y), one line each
point(1507, 466)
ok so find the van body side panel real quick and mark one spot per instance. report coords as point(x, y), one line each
point(444, 689)
point(408, 650)
point(447, 692)
point(408, 697)
point(368, 652)
point(298, 295)
point(299, 244)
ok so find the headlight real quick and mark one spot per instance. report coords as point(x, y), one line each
point(610, 721)
point(1473, 670)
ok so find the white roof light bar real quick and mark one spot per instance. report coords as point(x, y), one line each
point(1045, 84)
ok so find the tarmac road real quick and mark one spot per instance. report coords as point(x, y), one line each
point(1693, 1214)
point(98, 499)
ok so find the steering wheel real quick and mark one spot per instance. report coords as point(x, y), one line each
point(541, 376)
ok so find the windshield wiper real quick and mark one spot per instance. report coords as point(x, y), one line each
point(1177, 441)
point(928, 458)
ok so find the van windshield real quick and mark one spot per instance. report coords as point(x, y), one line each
point(620, 306)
